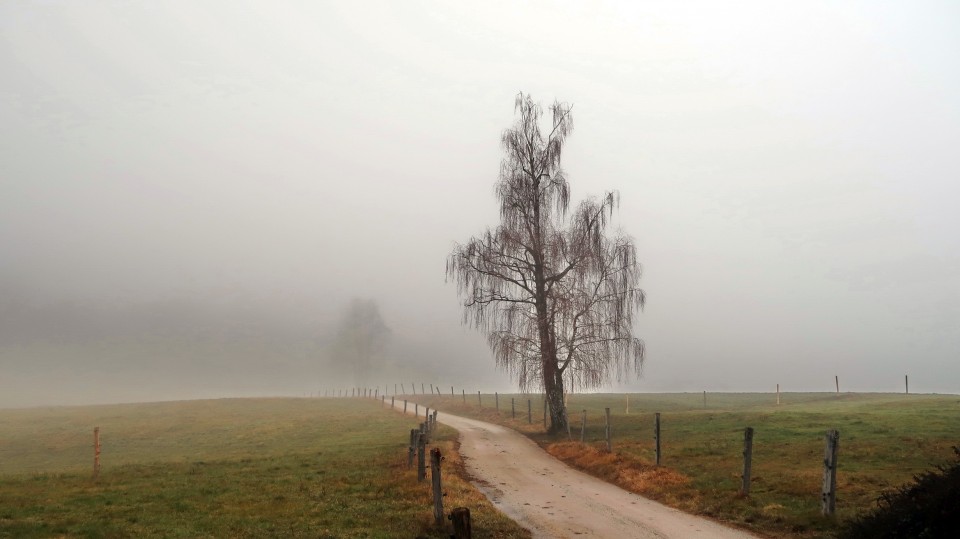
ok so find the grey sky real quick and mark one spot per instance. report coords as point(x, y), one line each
point(788, 170)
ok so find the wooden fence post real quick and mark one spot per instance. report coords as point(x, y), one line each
point(906, 383)
point(837, 380)
point(704, 400)
point(656, 436)
point(96, 452)
point(422, 390)
point(403, 389)
point(496, 401)
point(464, 391)
point(416, 409)
point(431, 389)
point(829, 491)
point(437, 488)
point(421, 455)
point(513, 408)
point(583, 424)
point(479, 402)
point(609, 443)
point(529, 412)
point(413, 447)
point(747, 461)
point(451, 392)
point(461, 523)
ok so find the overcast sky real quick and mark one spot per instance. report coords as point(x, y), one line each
point(788, 170)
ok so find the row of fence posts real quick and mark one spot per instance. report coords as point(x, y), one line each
point(829, 485)
point(417, 450)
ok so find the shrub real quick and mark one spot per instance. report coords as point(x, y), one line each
point(926, 508)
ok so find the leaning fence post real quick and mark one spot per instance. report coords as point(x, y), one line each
point(421, 455)
point(609, 443)
point(656, 436)
point(96, 452)
point(583, 424)
point(747, 461)
point(829, 491)
point(437, 488)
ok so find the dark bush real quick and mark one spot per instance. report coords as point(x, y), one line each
point(926, 508)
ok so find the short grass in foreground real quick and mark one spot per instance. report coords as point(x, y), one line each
point(225, 468)
point(884, 440)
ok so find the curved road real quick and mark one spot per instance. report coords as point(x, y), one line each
point(554, 500)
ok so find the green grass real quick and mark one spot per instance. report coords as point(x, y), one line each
point(225, 468)
point(884, 440)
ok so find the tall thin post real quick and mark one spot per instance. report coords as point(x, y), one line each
point(451, 392)
point(431, 389)
point(464, 391)
point(583, 424)
point(437, 488)
point(421, 455)
point(496, 401)
point(609, 442)
point(704, 400)
point(412, 449)
point(416, 409)
point(906, 383)
point(422, 390)
point(656, 436)
point(747, 461)
point(529, 412)
point(391, 402)
point(96, 452)
point(404, 405)
point(829, 491)
point(837, 380)
point(479, 402)
point(402, 389)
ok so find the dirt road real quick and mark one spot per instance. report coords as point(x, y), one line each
point(554, 500)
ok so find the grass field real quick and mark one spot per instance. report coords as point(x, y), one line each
point(225, 468)
point(884, 440)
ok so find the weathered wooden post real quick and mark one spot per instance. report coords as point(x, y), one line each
point(829, 491)
point(529, 412)
point(421, 455)
point(413, 446)
point(403, 389)
point(837, 380)
point(609, 443)
point(437, 488)
point(404, 405)
point(583, 424)
point(426, 417)
point(451, 392)
point(422, 390)
point(464, 391)
point(496, 401)
point(747, 461)
point(479, 402)
point(416, 409)
point(96, 452)
point(434, 418)
point(656, 436)
point(906, 383)
point(704, 400)
point(431, 389)
point(461, 523)
point(513, 408)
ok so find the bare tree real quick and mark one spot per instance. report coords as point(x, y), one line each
point(553, 292)
point(361, 336)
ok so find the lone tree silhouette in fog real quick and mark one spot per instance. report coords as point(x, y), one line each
point(553, 292)
point(361, 336)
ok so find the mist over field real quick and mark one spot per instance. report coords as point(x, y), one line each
point(192, 193)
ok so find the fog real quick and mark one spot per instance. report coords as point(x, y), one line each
point(192, 192)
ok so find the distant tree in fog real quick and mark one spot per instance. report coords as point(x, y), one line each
point(552, 290)
point(360, 338)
